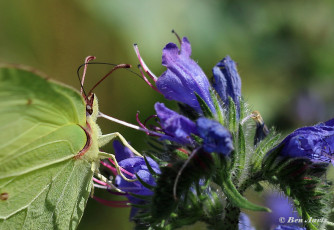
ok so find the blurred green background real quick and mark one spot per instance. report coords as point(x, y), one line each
point(284, 51)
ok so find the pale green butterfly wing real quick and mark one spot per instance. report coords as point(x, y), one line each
point(41, 122)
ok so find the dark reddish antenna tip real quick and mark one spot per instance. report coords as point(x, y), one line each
point(120, 66)
point(177, 36)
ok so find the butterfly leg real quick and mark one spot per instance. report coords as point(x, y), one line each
point(107, 155)
point(104, 139)
point(103, 179)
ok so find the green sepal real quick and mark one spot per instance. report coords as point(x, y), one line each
point(153, 173)
point(180, 154)
point(197, 139)
point(237, 199)
point(146, 185)
point(141, 206)
point(302, 180)
point(143, 217)
point(232, 116)
point(142, 197)
point(262, 150)
point(200, 166)
point(204, 107)
point(188, 111)
point(243, 108)
point(216, 104)
point(240, 156)
point(155, 144)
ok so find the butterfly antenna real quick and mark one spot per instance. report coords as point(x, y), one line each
point(96, 63)
point(120, 66)
point(82, 81)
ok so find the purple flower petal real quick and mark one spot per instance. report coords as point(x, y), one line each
point(244, 222)
point(216, 138)
point(227, 81)
point(281, 207)
point(121, 152)
point(315, 142)
point(183, 77)
point(178, 128)
point(137, 165)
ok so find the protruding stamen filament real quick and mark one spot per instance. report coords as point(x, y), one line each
point(100, 186)
point(113, 203)
point(180, 172)
point(139, 122)
point(144, 125)
point(105, 180)
point(146, 80)
point(88, 59)
point(149, 118)
point(177, 36)
point(112, 169)
point(99, 182)
point(118, 168)
point(142, 63)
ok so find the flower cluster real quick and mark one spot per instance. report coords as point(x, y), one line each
point(208, 153)
point(185, 82)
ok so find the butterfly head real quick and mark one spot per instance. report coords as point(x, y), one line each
point(91, 106)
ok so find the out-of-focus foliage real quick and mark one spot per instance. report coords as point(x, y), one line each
point(283, 48)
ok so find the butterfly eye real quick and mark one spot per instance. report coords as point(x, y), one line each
point(89, 109)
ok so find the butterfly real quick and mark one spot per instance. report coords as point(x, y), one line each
point(49, 151)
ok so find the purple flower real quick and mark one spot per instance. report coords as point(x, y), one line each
point(122, 152)
point(183, 77)
point(315, 142)
point(215, 137)
point(245, 223)
point(281, 207)
point(136, 165)
point(177, 128)
point(227, 81)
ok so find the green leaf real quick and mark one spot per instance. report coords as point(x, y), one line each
point(237, 199)
point(205, 108)
point(41, 130)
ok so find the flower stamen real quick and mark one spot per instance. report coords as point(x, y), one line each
point(177, 36)
point(113, 203)
point(142, 63)
point(146, 80)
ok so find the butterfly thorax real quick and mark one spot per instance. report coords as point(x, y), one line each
point(93, 131)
